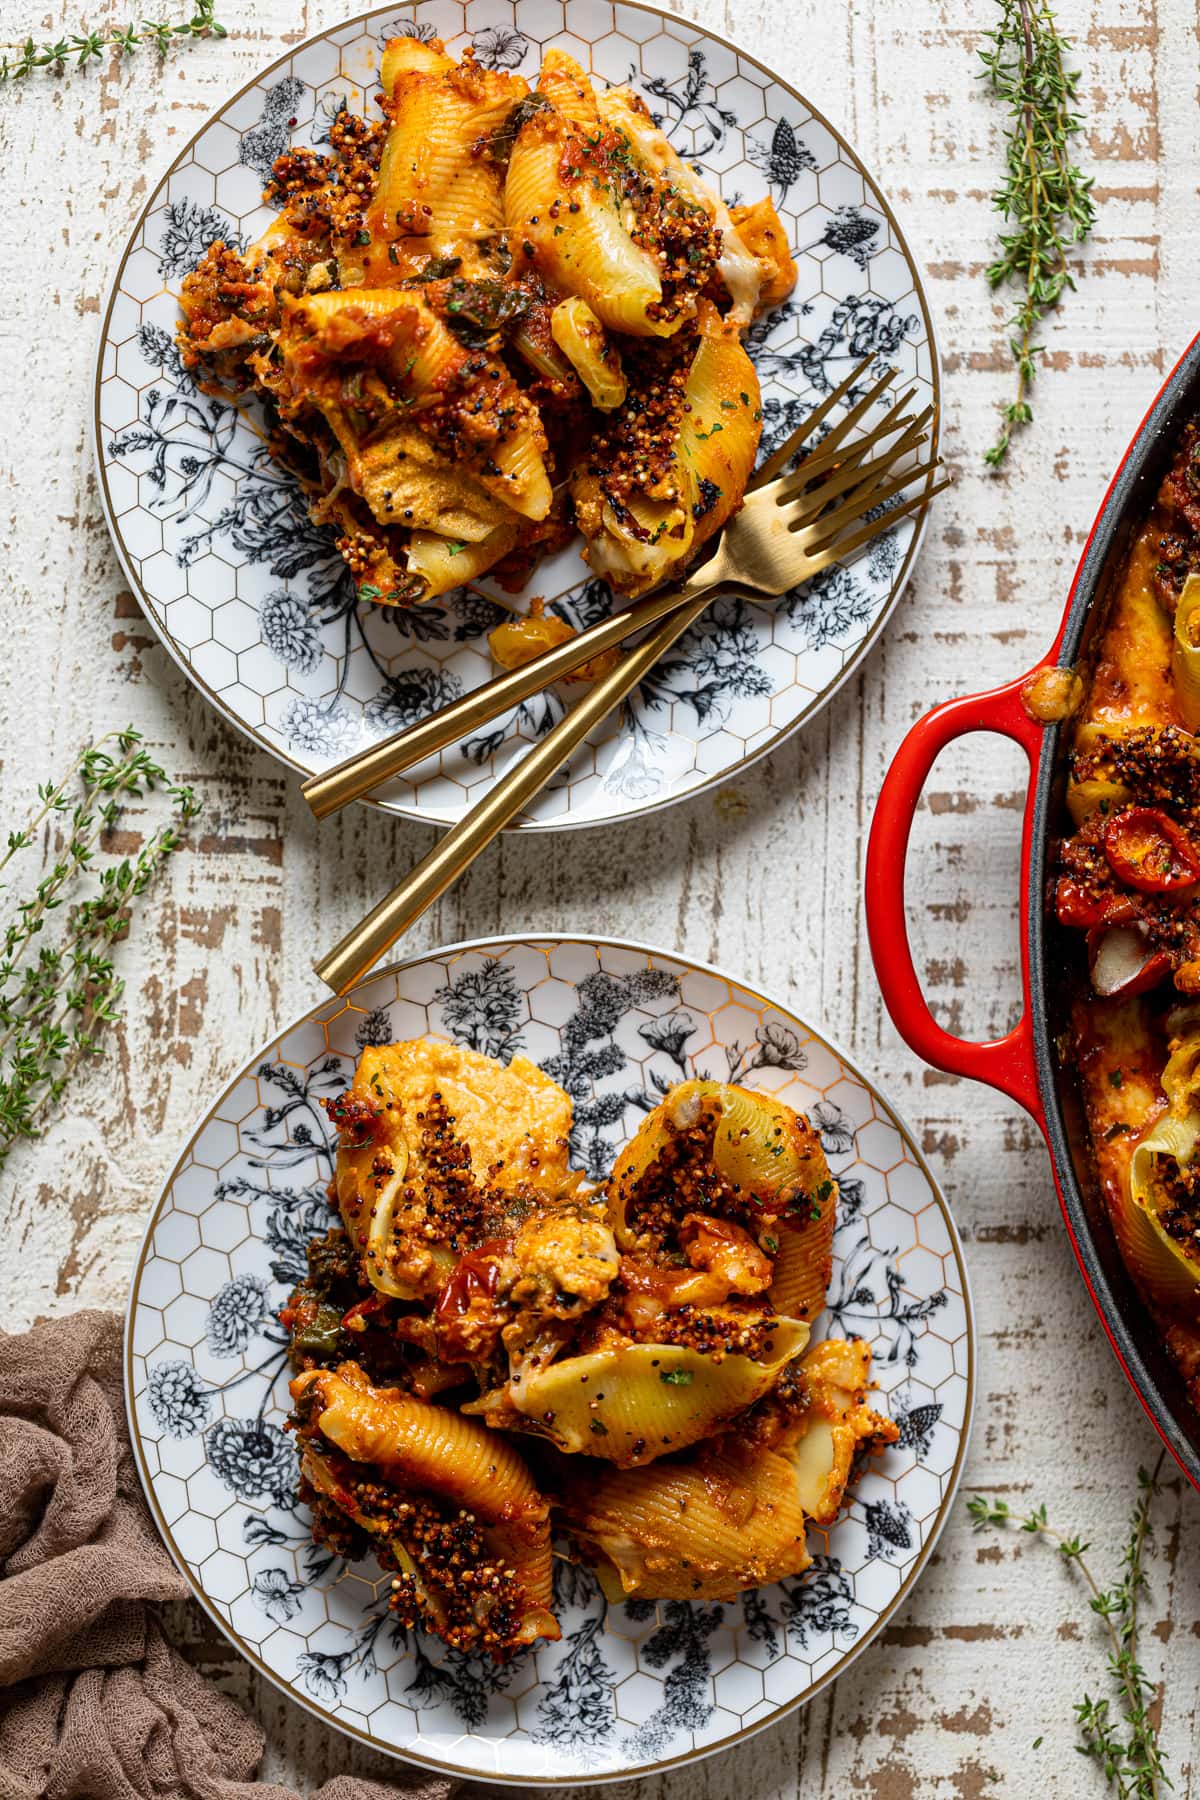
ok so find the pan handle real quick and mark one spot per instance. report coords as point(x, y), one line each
point(1007, 1063)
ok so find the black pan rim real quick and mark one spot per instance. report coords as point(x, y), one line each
point(1179, 393)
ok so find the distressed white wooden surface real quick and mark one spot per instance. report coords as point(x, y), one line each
point(763, 877)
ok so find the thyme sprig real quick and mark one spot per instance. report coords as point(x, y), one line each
point(83, 47)
point(1045, 198)
point(56, 997)
point(1127, 1750)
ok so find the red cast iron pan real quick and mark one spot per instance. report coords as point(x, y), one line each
point(1023, 1064)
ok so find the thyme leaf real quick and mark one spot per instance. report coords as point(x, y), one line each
point(83, 47)
point(1045, 198)
point(1127, 1750)
point(58, 990)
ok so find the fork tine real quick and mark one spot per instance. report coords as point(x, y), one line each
point(779, 459)
point(838, 552)
point(827, 454)
point(841, 428)
point(853, 476)
point(880, 495)
point(910, 427)
point(835, 454)
point(851, 507)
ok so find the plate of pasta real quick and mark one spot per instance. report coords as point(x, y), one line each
point(463, 323)
point(551, 1362)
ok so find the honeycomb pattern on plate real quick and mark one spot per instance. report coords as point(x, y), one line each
point(629, 1688)
point(255, 604)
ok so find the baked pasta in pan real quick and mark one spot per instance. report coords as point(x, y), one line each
point(493, 1357)
point(1128, 876)
point(497, 314)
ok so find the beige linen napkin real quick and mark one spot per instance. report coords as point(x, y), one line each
point(95, 1703)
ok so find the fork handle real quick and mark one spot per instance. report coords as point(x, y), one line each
point(360, 949)
point(334, 788)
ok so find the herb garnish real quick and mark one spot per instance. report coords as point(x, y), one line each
point(90, 46)
point(1044, 197)
point(1128, 1752)
point(498, 144)
point(477, 310)
point(676, 1377)
point(54, 1003)
point(438, 268)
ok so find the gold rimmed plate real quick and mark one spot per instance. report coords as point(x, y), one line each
point(629, 1689)
point(254, 603)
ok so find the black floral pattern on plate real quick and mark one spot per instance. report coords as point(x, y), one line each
point(481, 1008)
point(775, 1046)
point(375, 1028)
point(409, 696)
point(500, 47)
point(591, 1056)
point(421, 29)
point(277, 1594)
point(849, 231)
point(889, 1528)
point(835, 1129)
point(862, 325)
point(818, 1604)
point(329, 110)
point(671, 1035)
point(690, 114)
point(575, 1706)
point(179, 1400)
point(783, 159)
point(236, 1314)
point(867, 1299)
point(254, 1459)
point(188, 230)
point(917, 1426)
point(682, 1646)
point(297, 1115)
point(294, 1216)
point(290, 631)
point(262, 143)
point(321, 727)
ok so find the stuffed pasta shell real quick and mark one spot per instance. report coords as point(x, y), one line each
point(701, 1527)
point(384, 359)
point(480, 1312)
point(732, 1514)
point(670, 465)
point(434, 1142)
point(453, 1183)
point(495, 316)
point(449, 1506)
point(722, 1210)
point(433, 187)
point(746, 273)
point(600, 219)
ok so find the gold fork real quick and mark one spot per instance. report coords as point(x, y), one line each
point(361, 773)
point(786, 532)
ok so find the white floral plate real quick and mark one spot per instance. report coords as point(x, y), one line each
point(630, 1688)
point(255, 604)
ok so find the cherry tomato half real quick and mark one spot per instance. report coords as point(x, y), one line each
point(1149, 851)
point(476, 1276)
point(1077, 907)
